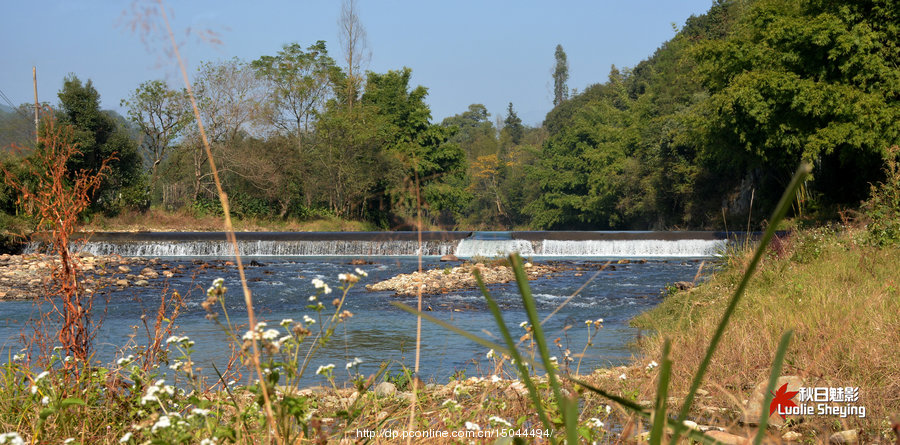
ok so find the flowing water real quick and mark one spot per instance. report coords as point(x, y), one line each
point(379, 332)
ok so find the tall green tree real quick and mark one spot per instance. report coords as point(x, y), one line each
point(513, 125)
point(100, 136)
point(560, 76)
point(420, 147)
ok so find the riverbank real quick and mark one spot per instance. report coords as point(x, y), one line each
point(840, 297)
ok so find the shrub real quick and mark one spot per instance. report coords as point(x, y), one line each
point(882, 210)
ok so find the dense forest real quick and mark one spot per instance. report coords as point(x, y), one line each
point(709, 127)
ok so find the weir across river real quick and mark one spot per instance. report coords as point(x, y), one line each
point(433, 243)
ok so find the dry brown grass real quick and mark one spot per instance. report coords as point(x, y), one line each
point(157, 220)
point(841, 298)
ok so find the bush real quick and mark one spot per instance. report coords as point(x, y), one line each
point(882, 210)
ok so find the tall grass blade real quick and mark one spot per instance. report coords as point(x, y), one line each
point(662, 392)
point(770, 387)
point(568, 407)
point(780, 211)
point(535, 321)
point(514, 353)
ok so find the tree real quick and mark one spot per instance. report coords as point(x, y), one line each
point(346, 161)
point(99, 137)
point(355, 46)
point(474, 132)
point(560, 76)
point(161, 114)
point(231, 100)
point(513, 125)
point(420, 147)
point(299, 83)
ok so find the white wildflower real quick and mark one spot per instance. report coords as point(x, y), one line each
point(343, 277)
point(162, 422)
point(327, 290)
point(495, 378)
point(319, 284)
point(12, 438)
point(41, 376)
point(652, 365)
point(608, 409)
point(34, 389)
point(69, 440)
point(287, 322)
point(18, 357)
point(361, 272)
point(325, 369)
point(200, 412)
point(126, 438)
point(125, 361)
point(523, 324)
point(270, 334)
point(356, 361)
point(471, 426)
point(308, 320)
point(218, 282)
point(599, 320)
point(172, 339)
point(491, 354)
point(623, 376)
point(313, 298)
point(594, 422)
point(208, 441)
point(45, 400)
point(499, 420)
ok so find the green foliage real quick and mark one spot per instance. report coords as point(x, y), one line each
point(513, 125)
point(883, 207)
point(161, 114)
point(814, 81)
point(99, 136)
point(300, 84)
point(422, 150)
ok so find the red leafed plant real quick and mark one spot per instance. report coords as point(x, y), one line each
point(56, 198)
point(783, 398)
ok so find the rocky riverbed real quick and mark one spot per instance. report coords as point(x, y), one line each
point(28, 276)
point(437, 281)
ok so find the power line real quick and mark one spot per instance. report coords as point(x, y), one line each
point(11, 105)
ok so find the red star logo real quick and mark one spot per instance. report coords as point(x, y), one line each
point(783, 398)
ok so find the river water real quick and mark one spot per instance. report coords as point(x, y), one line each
point(379, 332)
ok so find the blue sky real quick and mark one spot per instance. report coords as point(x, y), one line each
point(464, 52)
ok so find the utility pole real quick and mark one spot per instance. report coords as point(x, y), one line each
point(36, 106)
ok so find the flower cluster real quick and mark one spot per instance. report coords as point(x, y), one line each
point(157, 390)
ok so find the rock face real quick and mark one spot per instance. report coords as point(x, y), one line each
point(449, 257)
point(752, 408)
point(438, 281)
